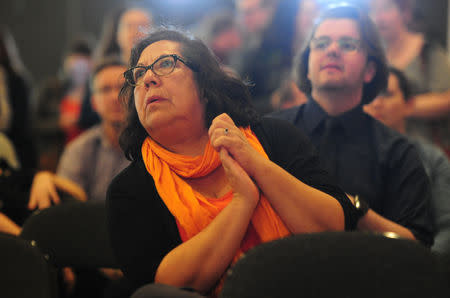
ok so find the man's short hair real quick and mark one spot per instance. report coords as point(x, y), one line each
point(370, 42)
point(104, 63)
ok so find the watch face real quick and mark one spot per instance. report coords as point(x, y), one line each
point(391, 235)
point(357, 203)
point(361, 206)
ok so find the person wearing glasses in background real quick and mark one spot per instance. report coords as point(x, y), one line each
point(341, 68)
point(209, 179)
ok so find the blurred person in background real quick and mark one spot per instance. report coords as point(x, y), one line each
point(288, 94)
point(94, 158)
point(77, 68)
point(425, 64)
point(15, 100)
point(268, 31)
point(392, 107)
point(59, 104)
point(90, 162)
point(255, 15)
point(221, 33)
point(15, 185)
point(121, 29)
point(9, 163)
point(307, 12)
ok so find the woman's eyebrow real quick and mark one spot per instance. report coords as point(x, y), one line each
point(160, 56)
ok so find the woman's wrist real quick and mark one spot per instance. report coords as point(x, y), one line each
point(257, 164)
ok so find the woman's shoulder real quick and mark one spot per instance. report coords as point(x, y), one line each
point(131, 178)
point(279, 131)
point(282, 140)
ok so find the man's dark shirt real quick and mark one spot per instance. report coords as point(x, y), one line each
point(373, 161)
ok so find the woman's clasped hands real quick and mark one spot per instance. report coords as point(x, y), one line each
point(237, 155)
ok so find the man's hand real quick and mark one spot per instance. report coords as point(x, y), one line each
point(43, 191)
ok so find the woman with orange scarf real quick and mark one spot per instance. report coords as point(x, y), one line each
point(209, 179)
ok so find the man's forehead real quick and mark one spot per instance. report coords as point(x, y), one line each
point(112, 72)
point(338, 27)
point(245, 5)
point(111, 69)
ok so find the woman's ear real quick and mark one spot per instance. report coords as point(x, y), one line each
point(410, 105)
point(370, 71)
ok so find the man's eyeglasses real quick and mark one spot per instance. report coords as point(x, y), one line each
point(163, 66)
point(345, 44)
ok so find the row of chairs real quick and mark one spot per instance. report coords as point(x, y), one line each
point(330, 264)
point(67, 235)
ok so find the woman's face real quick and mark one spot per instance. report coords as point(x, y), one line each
point(306, 14)
point(133, 25)
point(169, 102)
point(226, 41)
point(390, 107)
point(388, 18)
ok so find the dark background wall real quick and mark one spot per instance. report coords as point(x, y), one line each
point(43, 28)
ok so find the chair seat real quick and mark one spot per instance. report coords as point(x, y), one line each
point(24, 271)
point(337, 264)
point(72, 234)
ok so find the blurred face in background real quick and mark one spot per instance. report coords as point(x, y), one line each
point(133, 25)
point(226, 41)
point(255, 15)
point(307, 12)
point(105, 99)
point(77, 68)
point(388, 18)
point(391, 107)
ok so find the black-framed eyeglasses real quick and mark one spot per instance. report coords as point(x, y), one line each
point(345, 44)
point(163, 66)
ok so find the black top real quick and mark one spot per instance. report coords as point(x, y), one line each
point(143, 231)
point(372, 161)
point(20, 132)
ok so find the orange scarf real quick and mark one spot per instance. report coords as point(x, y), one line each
point(192, 211)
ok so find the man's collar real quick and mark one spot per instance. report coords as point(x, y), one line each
point(353, 121)
point(314, 115)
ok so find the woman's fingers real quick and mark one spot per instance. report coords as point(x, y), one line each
point(221, 122)
point(224, 134)
point(239, 180)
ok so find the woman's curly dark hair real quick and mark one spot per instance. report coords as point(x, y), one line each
point(219, 91)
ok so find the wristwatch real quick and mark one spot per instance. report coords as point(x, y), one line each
point(361, 206)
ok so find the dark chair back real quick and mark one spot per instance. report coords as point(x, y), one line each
point(72, 234)
point(337, 264)
point(24, 271)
